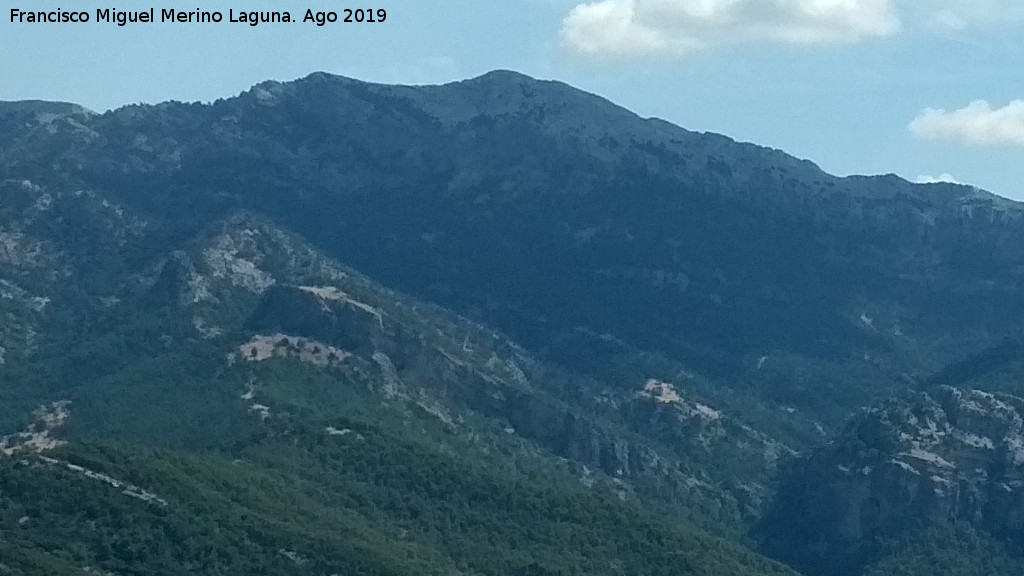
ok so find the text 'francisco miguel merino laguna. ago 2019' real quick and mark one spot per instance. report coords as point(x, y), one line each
point(170, 15)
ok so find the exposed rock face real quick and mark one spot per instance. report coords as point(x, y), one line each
point(38, 437)
point(951, 455)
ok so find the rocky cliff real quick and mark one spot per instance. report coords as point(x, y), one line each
point(948, 456)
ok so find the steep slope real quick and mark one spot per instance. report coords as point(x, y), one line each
point(66, 256)
point(239, 402)
point(653, 437)
point(692, 314)
point(556, 216)
point(947, 461)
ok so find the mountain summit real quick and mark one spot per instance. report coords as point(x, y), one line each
point(550, 213)
point(497, 326)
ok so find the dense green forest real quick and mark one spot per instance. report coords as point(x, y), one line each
point(293, 499)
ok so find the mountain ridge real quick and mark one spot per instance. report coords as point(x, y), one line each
point(505, 277)
point(370, 151)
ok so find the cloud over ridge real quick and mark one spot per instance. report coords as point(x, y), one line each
point(976, 123)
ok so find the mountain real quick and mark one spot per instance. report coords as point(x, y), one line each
point(552, 215)
point(950, 457)
point(495, 326)
point(241, 403)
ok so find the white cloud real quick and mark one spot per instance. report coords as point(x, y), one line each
point(630, 28)
point(957, 15)
point(612, 27)
point(944, 177)
point(645, 27)
point(977, 123)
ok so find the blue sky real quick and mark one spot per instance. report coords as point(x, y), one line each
point(921, 88)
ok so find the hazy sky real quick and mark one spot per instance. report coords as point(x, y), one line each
point(928, 89)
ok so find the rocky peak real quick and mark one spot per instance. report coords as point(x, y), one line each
point(952, 434)
point(29, 112)
point(950, 455)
